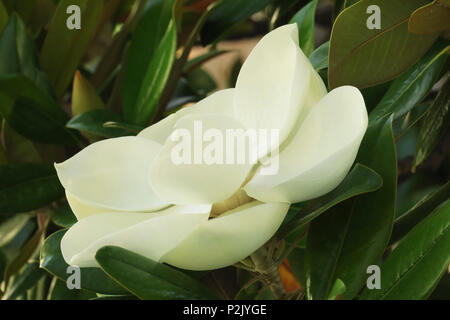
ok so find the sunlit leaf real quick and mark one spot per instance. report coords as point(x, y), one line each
point(364, 57)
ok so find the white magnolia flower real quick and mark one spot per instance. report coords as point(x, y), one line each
point(127, 192)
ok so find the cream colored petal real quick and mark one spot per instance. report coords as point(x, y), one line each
point(148, 234)
point(277, 85)
point(113, 174)
point(220, 102)
point(321, 154)
point(198, 164)
point(80, 209)
point(225, 240)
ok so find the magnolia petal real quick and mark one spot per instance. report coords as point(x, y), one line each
point(321, 153)
point(148, 234)
point(272, 89)
point(80, 209)
point(112, 174)
point(229, 238)
point(220, 102)
point(192, 171)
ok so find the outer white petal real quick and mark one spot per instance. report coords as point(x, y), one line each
point(113, 174)
point(148, 234)
point(322, 152)
point(188, 175)
point(220, 102)
point(277, 85)
point(80, 209)
point(229, 238)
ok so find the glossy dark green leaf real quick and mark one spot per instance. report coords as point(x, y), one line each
point(319, 57)
point(148, 279)
point(130, 128)
point(32, 112)
point(369, 57)
point(435, 123)
point(416, 265)
point(59, 291)
point(414, 189)
point(405, 222)
point(26, 187)
point(155, 80)
point(226, 14)
point(92, 279)
point(353, 235)
point(198, 61)
point(93, 122)
point(411, 87)
point(143, 58)
point(431, 18)
point(404, 123)
point(18, 54)
point(305, 24)
point(64, 217)
point(360, 180)
point(24, 281)
point(63, 49)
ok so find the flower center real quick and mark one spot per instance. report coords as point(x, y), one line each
point(236, 200)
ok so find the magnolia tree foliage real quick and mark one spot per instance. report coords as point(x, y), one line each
point(318, 171)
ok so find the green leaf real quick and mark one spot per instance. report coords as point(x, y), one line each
point(18, 149)
point(148, 279)
point(404, 123)
point(411, 87)
point(419, 211)
point(25, 253)
point(155, 80)
point(416, 265)
point(93, 122)
point(149, 61)
point(13, 227)
point(360, 180)
point(92, 279)
point(32, 112)
point(198, 61)
point(24, 281)
point(64, 217)
point(319, 57)
point(337, 290)
point(18, 54)
point(305, 23)
point(431, 18)
point(369, 57)
point(343, 241)
point(59, 291)
point(63, 49)
point(435, 123)
point(201, 82)
point(26, 187)
point(228, 13)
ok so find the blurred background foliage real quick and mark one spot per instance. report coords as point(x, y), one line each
point(133, 62)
